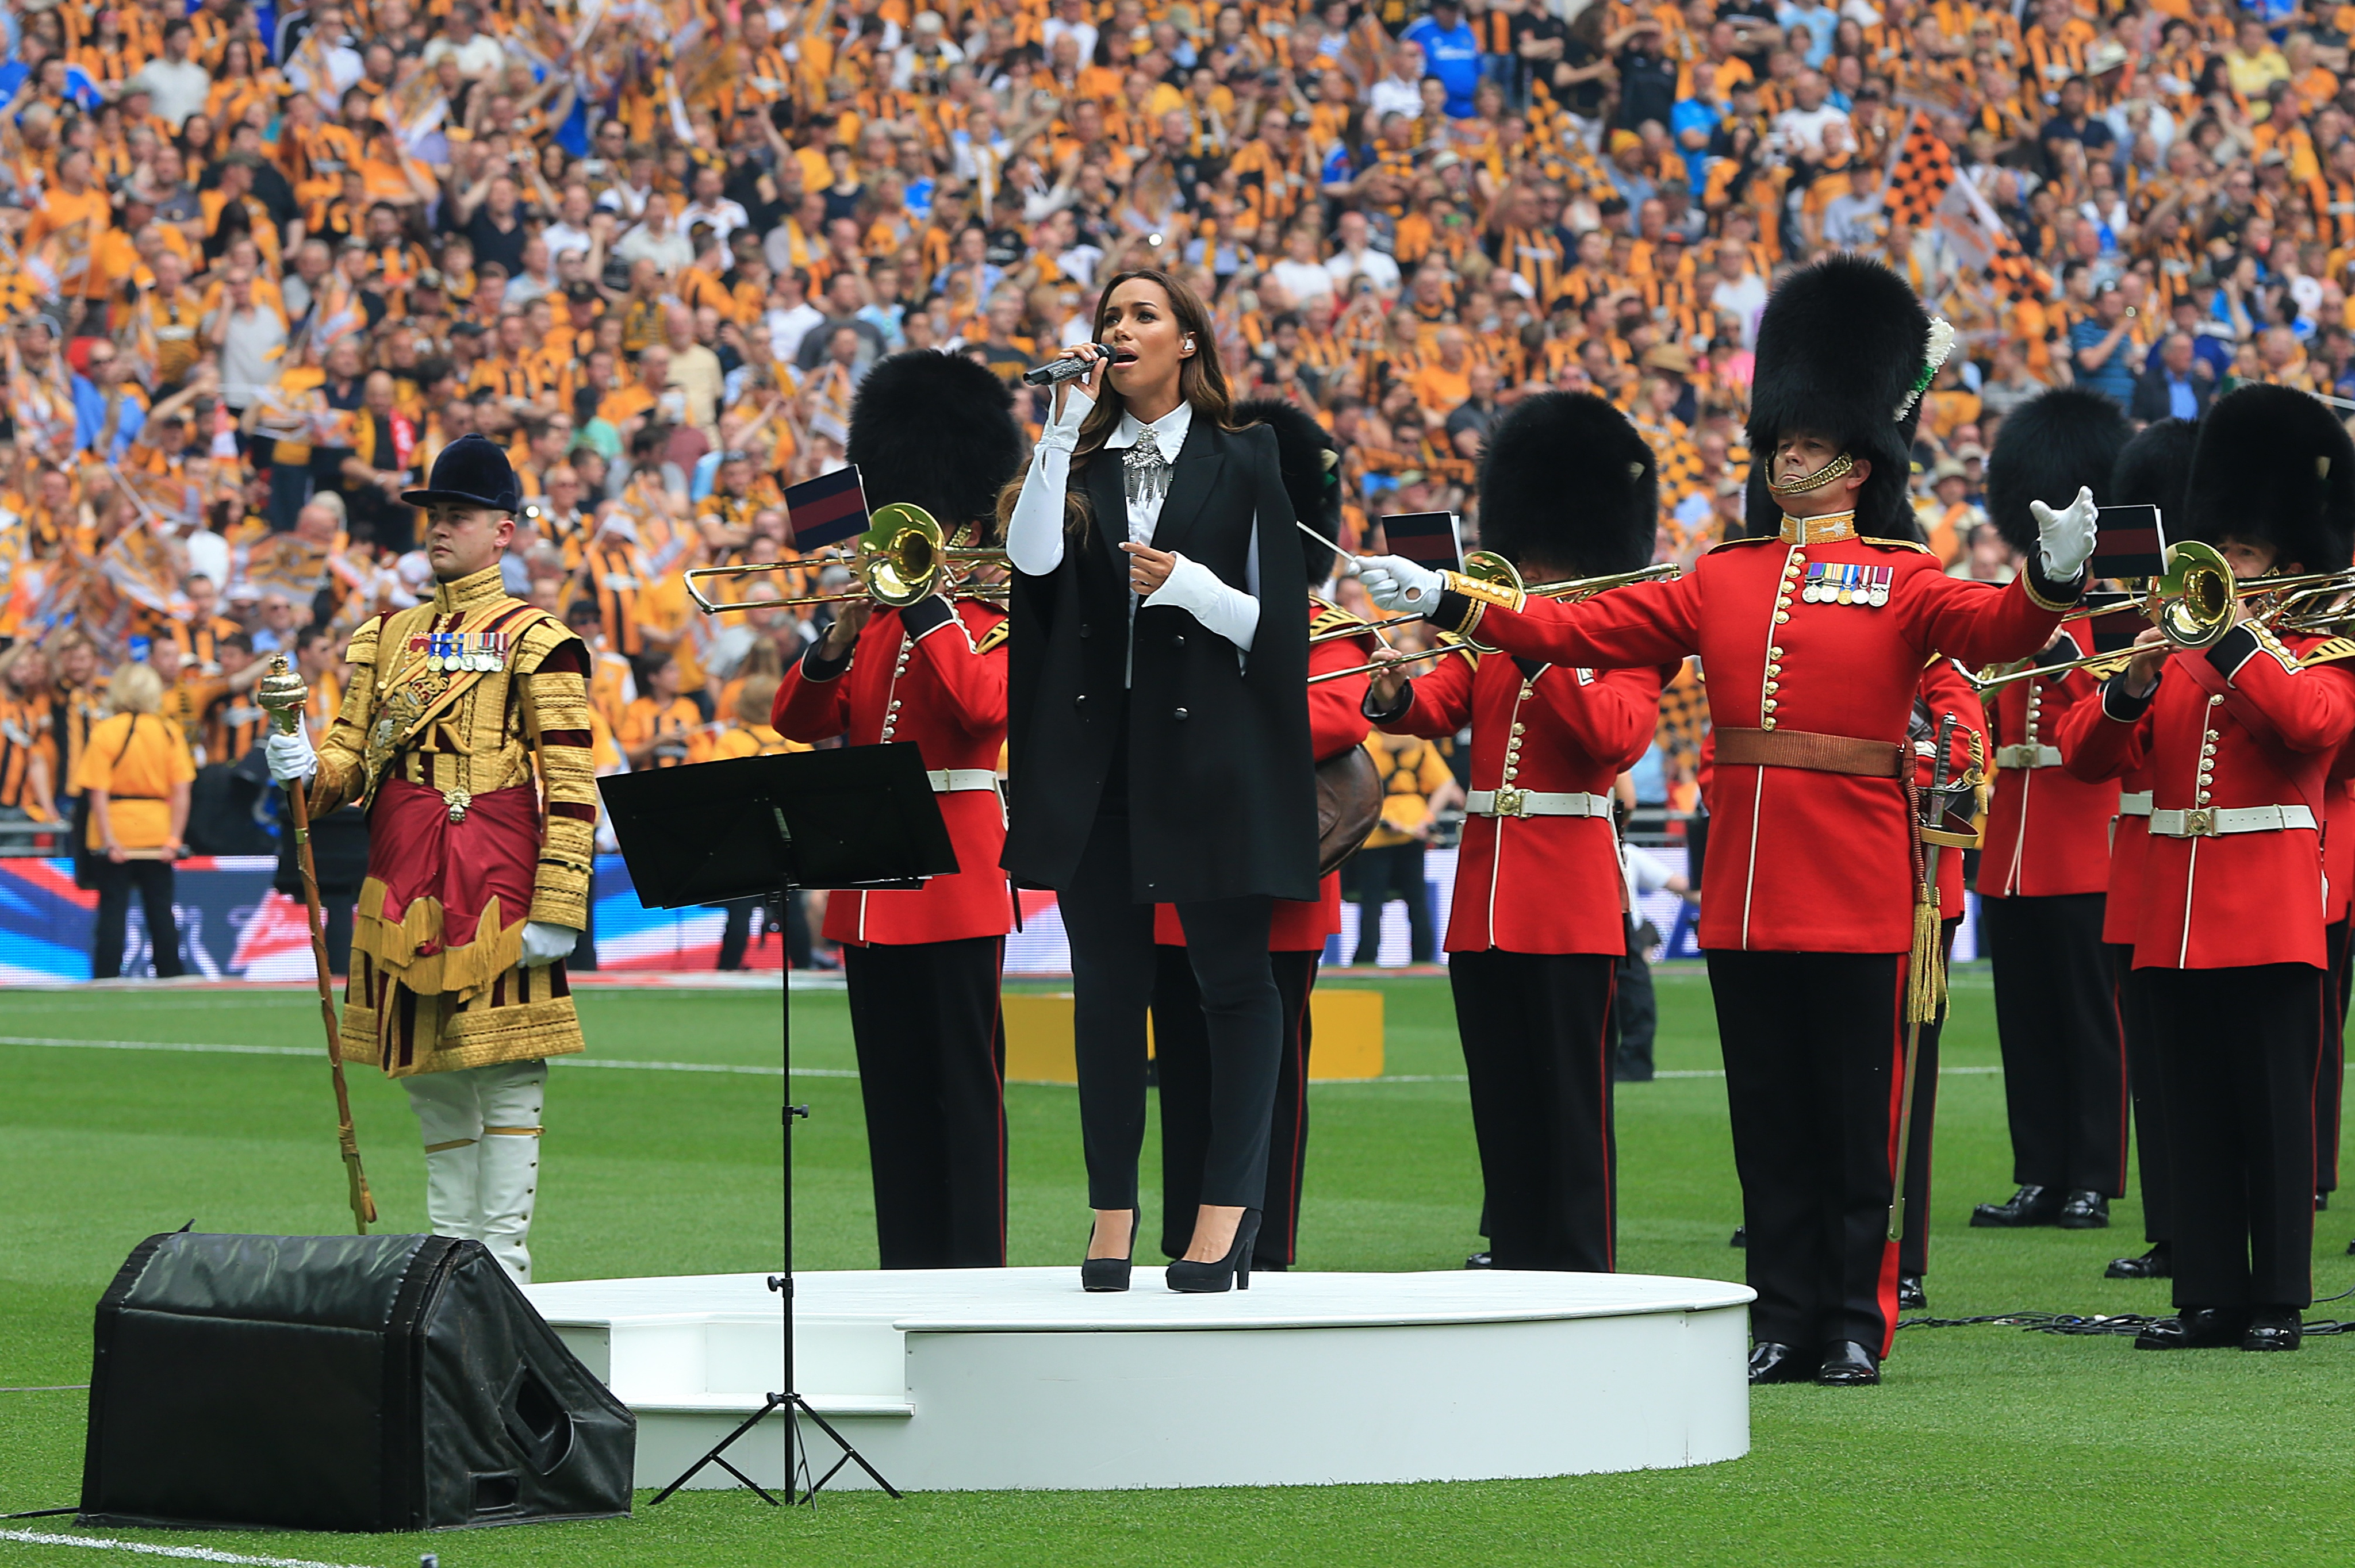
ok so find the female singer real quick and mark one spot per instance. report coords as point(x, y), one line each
point(1158, 742)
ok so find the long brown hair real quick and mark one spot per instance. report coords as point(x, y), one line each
point(1201, 380)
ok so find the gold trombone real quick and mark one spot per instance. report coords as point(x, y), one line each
point(1488, 567)
point(903, 556)
point(2193, 605)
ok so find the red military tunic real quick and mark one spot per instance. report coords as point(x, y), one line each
point(2238, 898)
point(1946, 691)
point(1537, 883)
point(1336, 723)
point(2048, 832)
point(2339, 836)
point(2127, 768)
point(945, 689)
point(1799, 861)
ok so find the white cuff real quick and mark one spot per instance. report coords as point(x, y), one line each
point(1209, 598)
point(1063, 432)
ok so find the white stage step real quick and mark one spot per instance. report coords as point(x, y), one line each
point(985, 1379)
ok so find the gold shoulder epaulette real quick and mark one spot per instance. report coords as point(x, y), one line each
point(1737, 543)
point(991, 640)
point(1893, 543)
point(2330, 653)
point(1331, 617)
point(539, 636)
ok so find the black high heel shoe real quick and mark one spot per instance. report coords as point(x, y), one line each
point(1232, 1270)
point(1103, 1275)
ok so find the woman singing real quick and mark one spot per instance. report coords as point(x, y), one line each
point(1159, 737)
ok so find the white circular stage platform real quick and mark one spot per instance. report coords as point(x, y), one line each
point(984, 1379)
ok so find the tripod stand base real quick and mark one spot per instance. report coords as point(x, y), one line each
point(800, 1485)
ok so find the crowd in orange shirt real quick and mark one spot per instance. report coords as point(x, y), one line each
point(263, 267)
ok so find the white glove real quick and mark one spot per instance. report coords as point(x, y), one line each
point(544, 943)
point(291, 757)
point(1062, 431)
point(2064, 540)
point(1395, 583)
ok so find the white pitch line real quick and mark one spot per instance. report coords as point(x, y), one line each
point(750, 1070)
point(186, 1553)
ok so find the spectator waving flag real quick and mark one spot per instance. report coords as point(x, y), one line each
point(828, 510)
point(1924, 174)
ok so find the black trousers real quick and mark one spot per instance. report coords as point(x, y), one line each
point(1375, 876)
point(1913, 1250)
point(2064, 1079)
point(1181, 1053)
point(2142, 1083)
point(1634, 1008)
point(932, 1072)
point(2330, 1081)
point(2237, 1050)
point(152, 878)
point(1812, 1042)
point(737, 935)
point(1535, 1029)
point(1113, 968)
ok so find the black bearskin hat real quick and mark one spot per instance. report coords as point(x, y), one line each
point(1311, 465)
point(935, 431)
point(2273, 463)
point(2155, 470)
point(1843, 351)
point(2049, 447)
point(1568, 480)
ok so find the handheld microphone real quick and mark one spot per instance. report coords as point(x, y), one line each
point(1060, 370)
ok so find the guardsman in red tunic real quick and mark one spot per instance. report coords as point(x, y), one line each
point(1815, 634)
point(2153, 470)
point(923, 966)
point(1297, 930)
point(2045, 867)
point(2339, 873)
point(1945, 692)
point(2240, 738)
point(1539, 925)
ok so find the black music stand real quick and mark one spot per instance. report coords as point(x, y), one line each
point(856, 817)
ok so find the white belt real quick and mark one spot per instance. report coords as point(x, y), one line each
point(2134, 802)
point(2208, 821)
point(1511, 802)
point(2027, 757)
point(948, 780)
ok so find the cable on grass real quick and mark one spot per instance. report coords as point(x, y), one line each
point(2099, 1323)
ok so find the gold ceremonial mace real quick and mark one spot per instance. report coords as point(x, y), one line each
point(281, 693)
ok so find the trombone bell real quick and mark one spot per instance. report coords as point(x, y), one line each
point(2194, 602)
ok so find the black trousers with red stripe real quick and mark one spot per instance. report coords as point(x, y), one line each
point(1913, 1250)
point(932, 1073)
point(1812, 1045)
point(2143, 1083)
point(2330, 1083)
point(1537, 1038)
point(2237, 1052)
point(1181, 1056)
point(2064, 1079)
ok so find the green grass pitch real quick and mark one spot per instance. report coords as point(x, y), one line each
point(1985, 1445)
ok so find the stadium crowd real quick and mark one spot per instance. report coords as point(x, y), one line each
point(262, 266)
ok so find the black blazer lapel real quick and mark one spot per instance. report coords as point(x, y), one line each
point(1109, 531)
point(1192, 479)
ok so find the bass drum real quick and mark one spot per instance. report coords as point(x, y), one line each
point(1349, 806)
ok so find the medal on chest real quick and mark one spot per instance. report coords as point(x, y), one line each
point(456, 653)
point(1835, 582)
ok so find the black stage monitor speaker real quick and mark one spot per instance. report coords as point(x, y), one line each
point(340, 1383)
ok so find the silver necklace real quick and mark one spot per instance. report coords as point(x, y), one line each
point(1144, 473)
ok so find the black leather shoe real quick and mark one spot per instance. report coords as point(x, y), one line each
point(2194, 1329)
point(2155, 1264)
point(2031, 1205)
point(1104, 1275)
point(1741, 1238)
point(1774, 1363)
point(1232, 1272)
point(1910, 1296)
point(1849, 1365)
point(2083, 1210)
point(2322, 1200)
point(1481, 1259)
point(2273, 1329)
